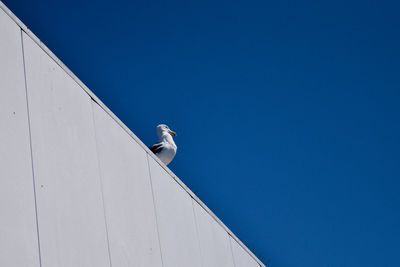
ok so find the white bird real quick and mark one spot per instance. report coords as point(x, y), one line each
point(165, 149)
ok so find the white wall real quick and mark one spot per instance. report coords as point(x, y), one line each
point(241, 257)
point(77, 188)
point(68, 193)
point(176, 222)
point(18, 236)
point(128, 199)
point(214, 240)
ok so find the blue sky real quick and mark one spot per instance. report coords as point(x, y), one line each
point(287, 112)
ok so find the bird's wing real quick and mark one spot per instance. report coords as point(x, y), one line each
point(156, 148)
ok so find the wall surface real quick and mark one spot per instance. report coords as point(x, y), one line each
point(78, 188)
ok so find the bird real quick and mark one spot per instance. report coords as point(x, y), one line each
point(165, 148)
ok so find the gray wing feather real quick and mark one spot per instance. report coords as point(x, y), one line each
point(156, 148)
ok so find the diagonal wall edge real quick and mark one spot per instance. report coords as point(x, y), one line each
point(25, 29)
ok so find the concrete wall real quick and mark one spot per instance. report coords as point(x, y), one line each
point(78, 188)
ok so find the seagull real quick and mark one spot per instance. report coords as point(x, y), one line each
point(165, 149)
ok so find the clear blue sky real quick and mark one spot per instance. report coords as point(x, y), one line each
point(287, 112)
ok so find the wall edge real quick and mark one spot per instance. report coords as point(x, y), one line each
point(25, 29)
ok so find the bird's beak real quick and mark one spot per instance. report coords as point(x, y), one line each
point(172, 132)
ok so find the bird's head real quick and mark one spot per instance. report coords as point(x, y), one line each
point(164, 128)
